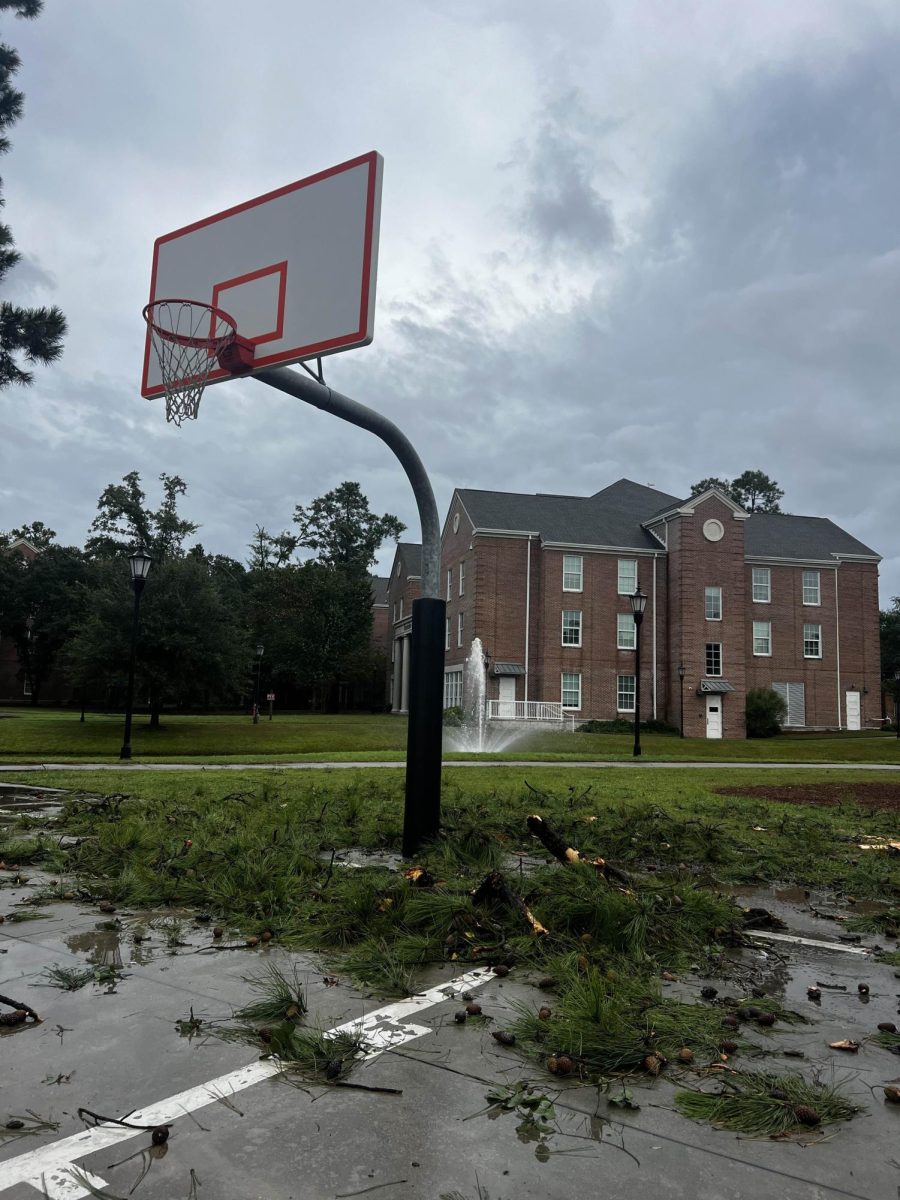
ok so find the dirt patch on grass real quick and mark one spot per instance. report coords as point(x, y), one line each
point(885, 796)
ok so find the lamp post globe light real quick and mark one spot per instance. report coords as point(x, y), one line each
point(638, 604)
point(681, 674)
point(260, 650)
point(140, 563)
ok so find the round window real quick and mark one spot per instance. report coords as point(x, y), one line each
point(713, 530)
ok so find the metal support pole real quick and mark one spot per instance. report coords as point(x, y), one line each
point(138, 585)
point(638, 619)
point(422, 813)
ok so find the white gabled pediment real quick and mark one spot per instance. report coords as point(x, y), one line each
point(690, 506)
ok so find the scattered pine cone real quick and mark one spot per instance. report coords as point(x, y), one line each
point(160, 1135)
point(709, 993)
point(334, 1068)
point(265, 1034)
point(552, 1064)
point(474, 1010)
point(218, 932)
point(460, 1016)
point(806, 1115)
point(892, 1095)
point(731, 1023)
point(106, 906)
point(766, 1018)
point(504, 1038)
point(266, 935)
point(252, 941)
point(778, 1094)
point(685, 1055)
point(887, 1027)
point(547, 984)
point(728, 1047)
point(863, 989)
point(544, 1013)
point(501, 969)
point(653, 1064)
point(564, 1064)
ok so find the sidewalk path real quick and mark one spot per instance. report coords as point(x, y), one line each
point(628, 763)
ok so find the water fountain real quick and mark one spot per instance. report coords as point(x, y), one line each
point(478, 735)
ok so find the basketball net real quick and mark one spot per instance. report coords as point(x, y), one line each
point(187, 338)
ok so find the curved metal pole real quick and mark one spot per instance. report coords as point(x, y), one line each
point(304, 387)
point(422, 809)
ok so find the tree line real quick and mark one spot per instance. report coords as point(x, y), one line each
point(68, 610)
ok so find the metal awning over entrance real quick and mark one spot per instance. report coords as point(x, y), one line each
point(503, 668)
point(715, 686)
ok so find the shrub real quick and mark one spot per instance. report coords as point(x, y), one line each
point(765, 711)
point(622, 725)
point(453, 717)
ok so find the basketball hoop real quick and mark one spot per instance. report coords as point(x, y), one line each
point(188, 338)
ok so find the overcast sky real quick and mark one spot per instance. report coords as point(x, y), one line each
point(648, 238)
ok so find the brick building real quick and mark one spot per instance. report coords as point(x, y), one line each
point(739, 600)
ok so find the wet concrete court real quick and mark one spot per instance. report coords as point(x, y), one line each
point(238, 1132)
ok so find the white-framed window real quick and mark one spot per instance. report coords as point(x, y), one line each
point(453, 689)
point(762, 585)
point(812, 641)
point(713, 658)
point(812, 592)
point(762, 638)
point(447, 634)
point(573, 573)
point(395, 610)
point(571, 689)
point(401, 608)
point(26, 689)
point(449, 582)
point(627, 576)
point(571, 627)
point(460, 622)
point(625, 631)
point(462, 578)
point(625, 693)
point(712, 603)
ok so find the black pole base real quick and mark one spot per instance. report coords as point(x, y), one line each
point(422, 810)
point(125, 752)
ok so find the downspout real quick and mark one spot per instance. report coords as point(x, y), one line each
point(654, 637)
point(837, 643)
point(527, 614)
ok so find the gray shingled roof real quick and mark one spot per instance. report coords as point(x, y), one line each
point(380, 587)
point(780, 535)
point(410, 558)
point(612, 517)
point(615, 517)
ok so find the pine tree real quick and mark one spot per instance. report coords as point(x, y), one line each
point(32, 334)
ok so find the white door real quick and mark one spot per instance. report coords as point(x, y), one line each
point(852, 701)
point(506, 709)
point(713, 716)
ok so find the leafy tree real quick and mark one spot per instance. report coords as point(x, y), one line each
point(765, 711)
point(756, 492)
point(36, 533)
point(343, 530)
point(35, 334)
point(125, 522)
point(192, 646)
point(753, 490)
point(703, 485)
point(315, 622)
point(271, 550)
point(890, 642)
point(42, 600)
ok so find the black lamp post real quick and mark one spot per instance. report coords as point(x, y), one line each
point(681, 675)
point(897, 700)
point(140, 568)
point(260, 649)
point(638, 604)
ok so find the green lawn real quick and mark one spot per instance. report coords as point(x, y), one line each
point(42, 735)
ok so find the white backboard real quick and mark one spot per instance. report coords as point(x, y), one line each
point(295, 268)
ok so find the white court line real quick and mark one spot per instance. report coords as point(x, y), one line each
point(765, 936)
point(49, 1168)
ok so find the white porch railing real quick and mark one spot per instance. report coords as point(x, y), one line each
point(524, 710)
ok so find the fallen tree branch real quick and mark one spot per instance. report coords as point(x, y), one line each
point(495, 888)
point(19, 1007)
point(551, 840)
